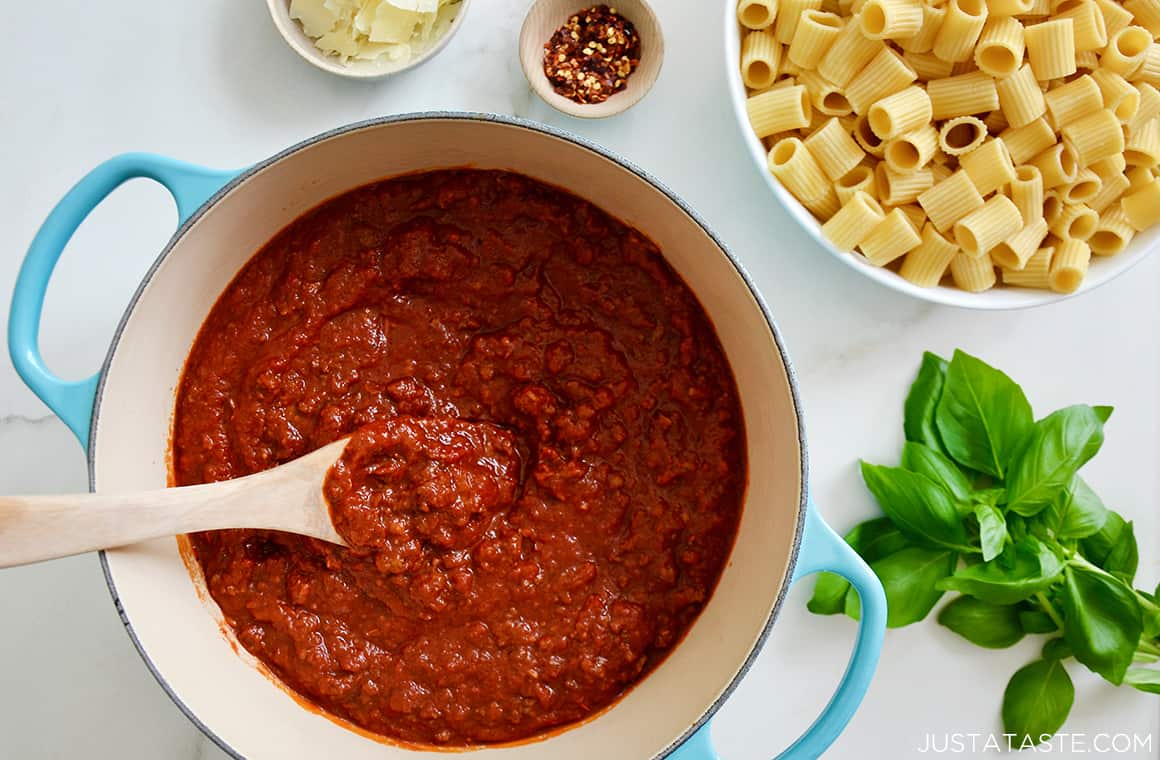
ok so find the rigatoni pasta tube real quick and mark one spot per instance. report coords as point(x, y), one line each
point(925, 265)
point(796, 168)
point(1126, 49)
point(1020, 97)
point(789, 15)
point(890, 19)
point(849, 54)
point(816, 32)
point(962, 95)
point(1143, 147)
point(923, 42)
point(1115, 17)
point(1056, 164)
point(1014, 252)
point(1035, 271)
point(901, 112)
point(1076, 220)
point(972, 274)
point(826, 97)
point(1069, 265)
point(961, 135)
point(1088, 28)
point(960, 30)
point(866, 137)
point(912, 150)
point(1111, 188)
point(1095, 136)
point(847, 228)
point(1083, 188)
point(998, 8)
point(1000, 48)
point(987, 226)
point(1119, 96)
point(777, 110)
point(989, 166)
point(928, 65)
point(885, 75)
point(1142, 207)
point(1051, 48)
point(1138, 176)
point(896, 188)
point(1149, 70)
point(1027, 193)
point(1148, 108)
point(760, 58)
point(890, 238)
point(1113, 233)
point(1147, 13)
point(858, 179)
point(756, 14)
point(1029, 140)
point(834, 149)
point(1074, 100)
point(950, 200)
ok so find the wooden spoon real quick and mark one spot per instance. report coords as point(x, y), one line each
point(287, 498)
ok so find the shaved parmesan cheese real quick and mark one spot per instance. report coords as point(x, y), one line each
point(386, 31)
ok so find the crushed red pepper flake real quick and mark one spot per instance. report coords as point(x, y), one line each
point(591, 56)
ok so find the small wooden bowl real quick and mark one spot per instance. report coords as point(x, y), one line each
point(546, 16)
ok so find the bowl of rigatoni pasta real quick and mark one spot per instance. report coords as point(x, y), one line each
point(988, 154)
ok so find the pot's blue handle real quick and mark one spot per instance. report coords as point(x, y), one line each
point(823, 549)
point(190, 187)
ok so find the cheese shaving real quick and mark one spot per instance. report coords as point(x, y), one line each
point(390, 32)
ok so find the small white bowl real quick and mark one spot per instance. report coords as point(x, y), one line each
point(546, 16)
point(1103, 268)
point(297, 39)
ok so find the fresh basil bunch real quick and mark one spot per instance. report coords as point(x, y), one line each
point(988, 503)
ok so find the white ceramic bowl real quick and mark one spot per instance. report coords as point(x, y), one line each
point(291, 31)
point(1103, 268)
point(546, 16)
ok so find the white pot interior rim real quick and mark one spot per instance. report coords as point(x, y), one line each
point(510, 121)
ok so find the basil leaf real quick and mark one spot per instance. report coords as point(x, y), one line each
point(1035, 621)
point(922, 400)
point(1036, 702)
point(872, 539)
point(992, 496)
point(924, 460)
point(909, 578)
point(1034, 568)
point(1103, 621)
point(921, 508)
point(993, 626)
point(1144, 679)
point(1058, 445)
point(1150, 611)
point(1077, 512)
point(1056, 649)
point(982, 415)
point(992, 531)
point(1103, 412)
point(1113, 547)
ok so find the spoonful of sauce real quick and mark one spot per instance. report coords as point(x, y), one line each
point(388, 489)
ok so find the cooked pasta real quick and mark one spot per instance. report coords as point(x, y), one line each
point(1027, 194)
point(779, 109)
point(1000, 48)
point(834, 149)
point(1014, 252)
point(756, 14)
point(905, 110)
point(987, 226)
point(1069, 102)
point(989, 166)
point(961, 135)
point(885, 75)
point(925, 265)
point(1069, 265)
point(890, 238)
point(1095, 136)
point(962, 95)
point(816, 32)
point(1051, 49)
point(972, 274)
point(847, 228)
point(760, 57)
point(960, 30)
point(1142, 207)
point(950, 200)
point(1113, 233)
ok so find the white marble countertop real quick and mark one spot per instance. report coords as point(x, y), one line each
point(211, 82)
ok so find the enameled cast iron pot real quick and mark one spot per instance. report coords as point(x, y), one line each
point(123, 414)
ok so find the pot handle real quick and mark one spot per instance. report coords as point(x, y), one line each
point(824, 550)
point(190, 186)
